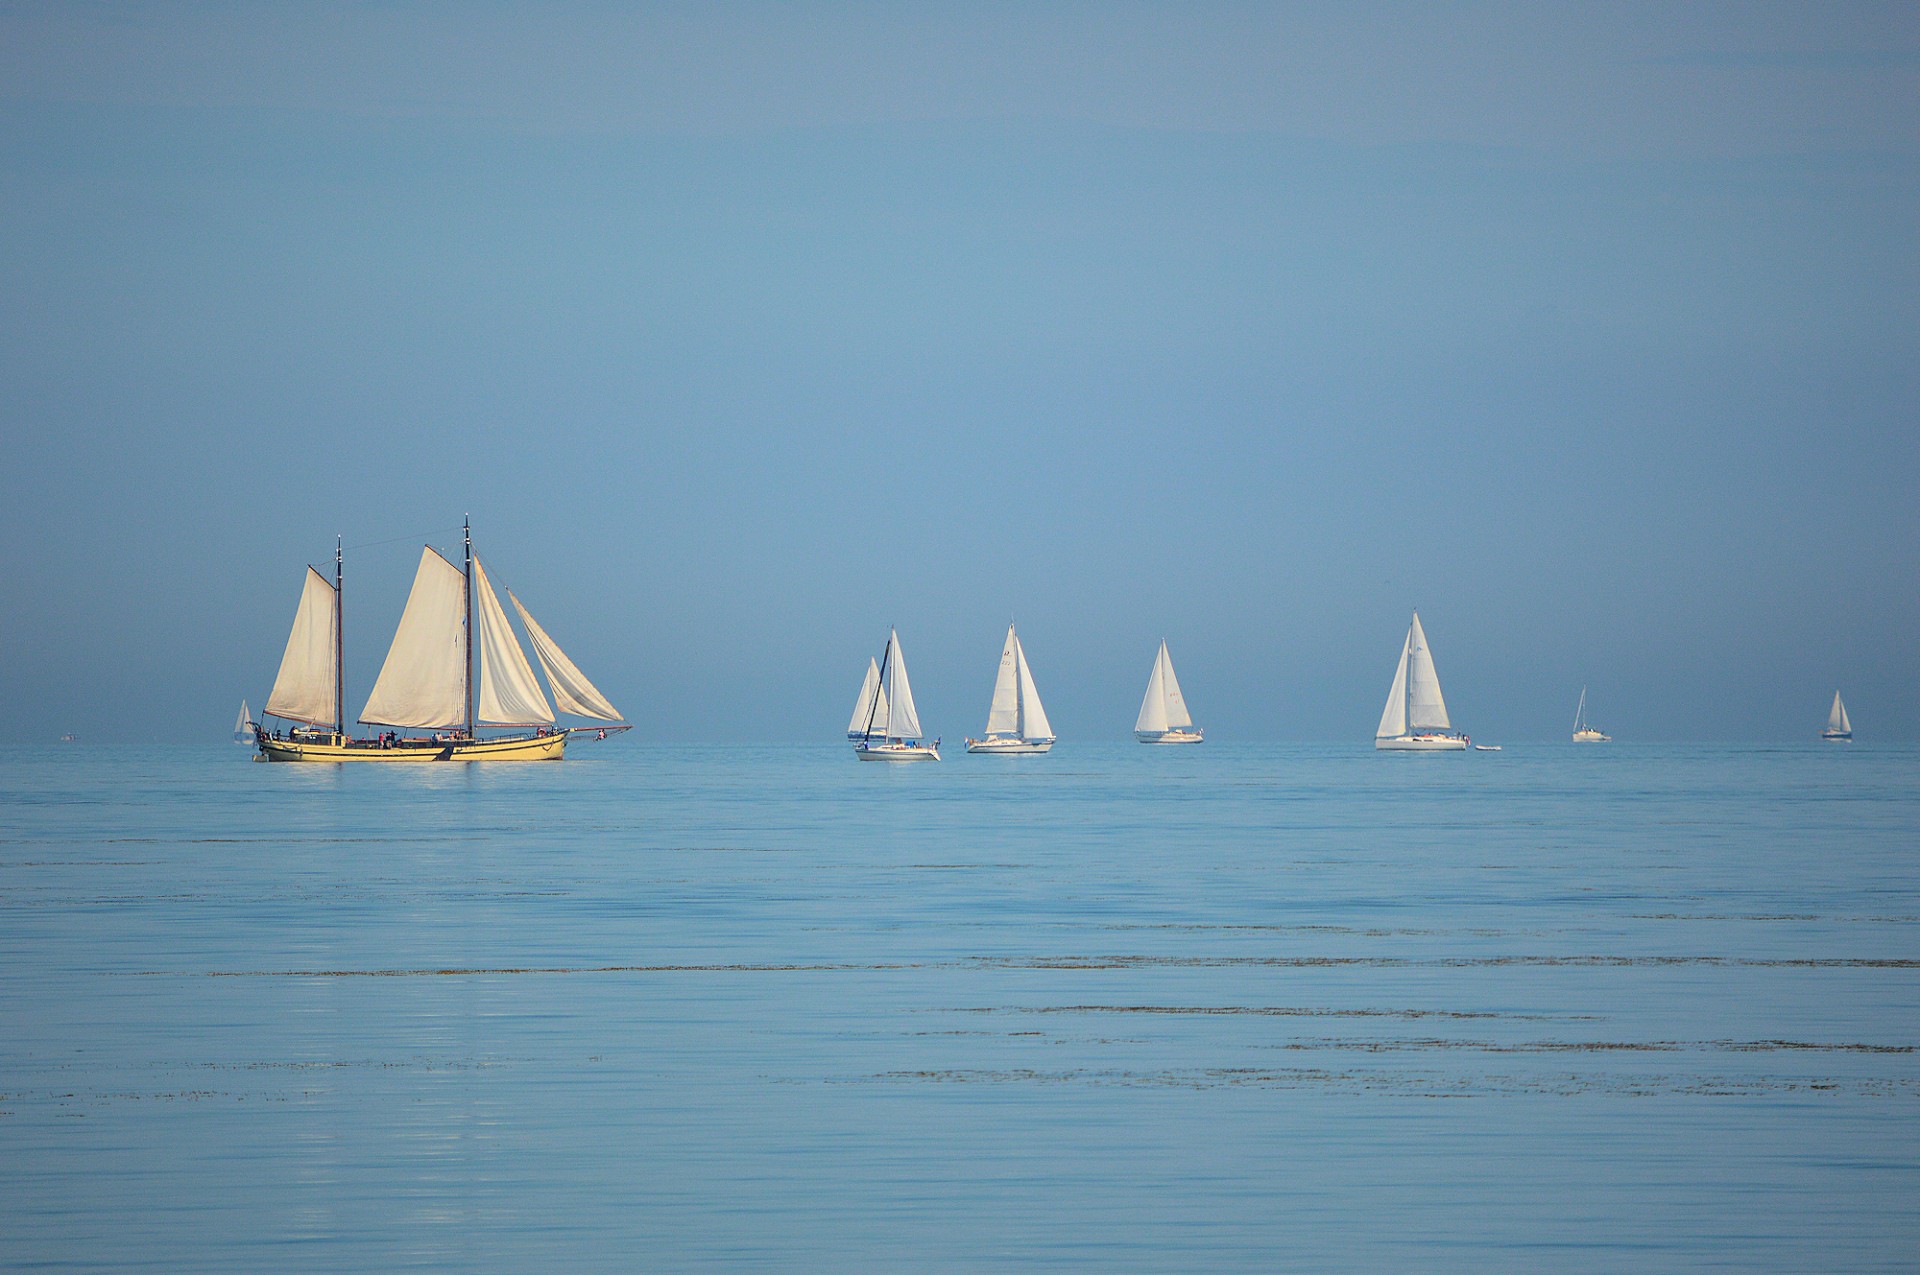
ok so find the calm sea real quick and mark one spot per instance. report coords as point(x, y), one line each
point(1226, 1008)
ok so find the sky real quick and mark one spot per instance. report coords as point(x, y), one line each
point(744, 331)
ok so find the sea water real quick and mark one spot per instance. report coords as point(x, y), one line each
point(1223, 1008)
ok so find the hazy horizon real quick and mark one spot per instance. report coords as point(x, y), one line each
point(744, 332)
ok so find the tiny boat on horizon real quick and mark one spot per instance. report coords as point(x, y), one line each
point(1415, 719)
point(1016, 723)
point(1163, 711)
point(1839, 729)
point(1583, 733)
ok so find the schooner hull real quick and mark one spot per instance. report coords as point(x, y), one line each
point(1168, 736)
point(514, 748)
point(1422, 744)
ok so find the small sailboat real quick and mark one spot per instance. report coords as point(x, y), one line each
point(871, 706)
point(453, 625)
point(1415, 719)
point(1163, 711)
point(892, 729)
point(1582, 732)
point(1016, 723)
point(243, 725)
point(1838, 728)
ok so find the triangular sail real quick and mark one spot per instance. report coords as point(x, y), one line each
point(244, 722)
point(1003, 715)
point(1153, 706)
point(1177, 716)
point(424, 680)
point(509, 693)
point(306, 689)
point(865, 710)
point(1393, 720)
point(902, 721)
point(1426, 708)
point(1033, 718)
point(572, 692)
point(1837, 716)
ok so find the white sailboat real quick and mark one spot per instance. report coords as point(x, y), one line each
point(892, 729)
point(1016, 723)
point(1839, 729)
point(865, 708)
point(243, 725)
point(1163, 712)
point(1416, 719)
point(1582, 732)
point(455, 665)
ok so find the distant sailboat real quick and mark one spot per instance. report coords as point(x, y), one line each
point(1583, 733)
point(1016, 723)
point(1416, 719)
point(1838, 727)
point(452, 624)
point(892, 728)
point(243, 725)
point(1163, 712)
point(865, 709)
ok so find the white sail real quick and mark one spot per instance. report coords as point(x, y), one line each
point(1003, 715)
point(509, 693)
point(902, 721)
point(305, 689)
point(1033, 718)
point(866, 712)
point(243, 725)
point(1153, 706)
point(424, 679)
point(572, 692)
point(1426, 709)
point(1177, 716)
point(1837, 717)
point(1393, 720)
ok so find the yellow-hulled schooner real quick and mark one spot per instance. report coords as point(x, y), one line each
point(428, 682)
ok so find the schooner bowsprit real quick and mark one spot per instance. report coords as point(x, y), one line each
point(437, 677)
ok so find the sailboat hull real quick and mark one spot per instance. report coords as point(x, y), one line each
point(512, 748)
point(1168, 736)
point(896, 752)
point(1009, 747)
point(1591, 736)
point(1837, 736)
point(1422, 744)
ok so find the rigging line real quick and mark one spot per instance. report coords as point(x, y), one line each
point(374, 544)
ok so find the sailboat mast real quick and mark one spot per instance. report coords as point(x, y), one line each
point(339, 642)
point(466, 525)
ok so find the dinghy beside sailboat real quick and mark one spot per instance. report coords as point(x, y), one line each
point(1163, 711)
point(892, 728)
point(1415, 719)
point(452, 629)
point(1016, 723)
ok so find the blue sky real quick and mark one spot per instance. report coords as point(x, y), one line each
point(744, 331)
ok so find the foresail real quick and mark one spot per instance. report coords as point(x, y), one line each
point(1426, 708)
point(1003, 715)
point(509, 692)
point(1033, 718)
point(1177, 716)
point(423, 682)
point(903, 722)
point(572, 692)
point(1393, 721)
point(305, 689)
point(1153, 707)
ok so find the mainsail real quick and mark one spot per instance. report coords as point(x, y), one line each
point(509, 693)
point(1837, 716)
point(1016, 706)
point(305, 689)
point(424, 680)
point(902, 721)
point(572, 692)
point(865, 710)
